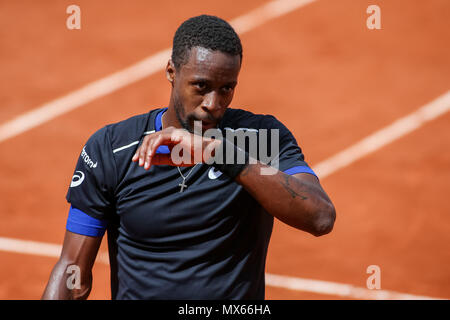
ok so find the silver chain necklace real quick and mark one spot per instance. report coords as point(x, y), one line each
point(182, 184)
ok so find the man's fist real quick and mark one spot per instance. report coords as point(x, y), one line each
point(186, 149)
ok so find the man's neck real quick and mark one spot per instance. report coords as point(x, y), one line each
point(169, 119)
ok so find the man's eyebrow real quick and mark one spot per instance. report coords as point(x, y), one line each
point(199, 79)
point(207, 80)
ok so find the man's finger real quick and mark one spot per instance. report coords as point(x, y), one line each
point(147, 150)
point(164, 138)
point(151, 150)
point(143, 150)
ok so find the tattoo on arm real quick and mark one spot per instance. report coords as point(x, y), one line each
point(288, 186)
point(245, 171)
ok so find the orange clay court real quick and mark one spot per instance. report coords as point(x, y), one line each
point(313, 64)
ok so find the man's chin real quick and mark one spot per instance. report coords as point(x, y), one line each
point(202, 126)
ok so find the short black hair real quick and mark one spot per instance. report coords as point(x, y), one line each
point(205, 31)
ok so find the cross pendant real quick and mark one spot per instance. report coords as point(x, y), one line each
point(182, 185)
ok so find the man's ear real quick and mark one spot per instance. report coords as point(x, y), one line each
point(170, 71)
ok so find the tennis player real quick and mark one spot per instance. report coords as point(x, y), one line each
point(196, 229)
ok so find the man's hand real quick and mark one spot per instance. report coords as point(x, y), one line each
point(186, 149)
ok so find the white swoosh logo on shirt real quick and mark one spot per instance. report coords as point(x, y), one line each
point(77, 179)
point(214, 174)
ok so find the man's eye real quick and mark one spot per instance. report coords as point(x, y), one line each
point(200, 85)
point(227, 89)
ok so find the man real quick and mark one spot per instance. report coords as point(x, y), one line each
point(196, 229)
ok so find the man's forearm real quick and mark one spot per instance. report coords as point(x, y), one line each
point(301, 203)
point(71, 278)
point(63, 284)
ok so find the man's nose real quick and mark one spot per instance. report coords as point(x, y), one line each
point(211, 101)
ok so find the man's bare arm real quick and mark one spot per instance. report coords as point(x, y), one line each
point(78, 254)
point(297, 200)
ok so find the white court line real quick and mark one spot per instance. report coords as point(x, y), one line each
point(382, 137)
point(285, 282)
point(84, 95)
point(338, 289)
point(37, 248)
point(134, 73)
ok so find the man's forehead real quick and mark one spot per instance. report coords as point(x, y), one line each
point(202, 60)
point(201, 54)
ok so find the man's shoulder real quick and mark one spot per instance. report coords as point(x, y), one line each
point(136, 124)
point(243, 119)
point(128, 130)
